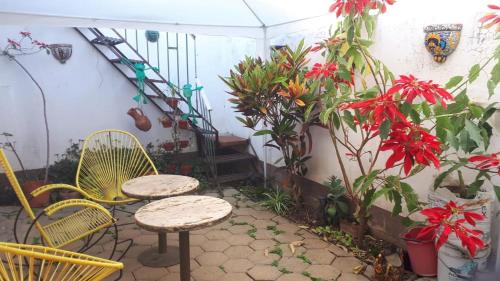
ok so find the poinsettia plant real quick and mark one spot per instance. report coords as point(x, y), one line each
point(276, 94)
point(452, 219)
point(392, 128)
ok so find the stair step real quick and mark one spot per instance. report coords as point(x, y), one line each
point(149, 80)
point(228, 141)
point(105, 40)
point(232, 177)
point(120, 61)
point(227, 158)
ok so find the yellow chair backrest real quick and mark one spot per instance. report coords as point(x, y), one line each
point(20, 262)
point(110, 158)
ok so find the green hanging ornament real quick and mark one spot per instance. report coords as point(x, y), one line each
point(187, 91)
point(140, 74)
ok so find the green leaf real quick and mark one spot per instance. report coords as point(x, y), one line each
point(426, 109)
point(378, 194)
point(474, 72)
point(453, 82)
point(397, 209)
point(332, 211)
point(474, 132)
point(476, 111)
point(366, 181)
point(385, 128)
point(336, 120)
point(411, 198)
point(439, 179)
point(406, 221)
point(349, 119)
point(451, 139)
point(263, 132)
point(496, 188)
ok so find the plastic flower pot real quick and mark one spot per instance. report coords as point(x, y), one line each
point(183, 124)
point(169, 146)
point(41, 200)
point(172, 102)
point(184, 143)
point(422, 252)
point(186, 169)
point(166, 123)
point(171, 169)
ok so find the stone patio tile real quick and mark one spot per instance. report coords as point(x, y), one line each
point(306, 234)
point(293, 264)
point(262, 244)
point(263, 224)
point(231, 200)
point(129, 233)
point(315, 243)
point(352, 277)
point(244, 219)
point(339, 252)
point(239, 229)
point(207, 273)
point(211, 259)
point(320, 256)
point(238, 252)
point(217, 235)
point(150, 273)
point(242, 211)
point(126, 276)
point(262, 215)
point(325, 272)
point(195, 251)
point(131, 264)
point(237, 265)
point(197, 239)
point(264, 273)
point(264, 234)
point(215, 245)
point(281, 220)
point(259, 257)
point(240, 240)
point(293, 277)
point(287, 238)
point(146, 239)
point(346, 264)
point(171, 277)
point(231, 192)
point(287, 252)
point(288, 228)
point(236, 277)
point(177, 268)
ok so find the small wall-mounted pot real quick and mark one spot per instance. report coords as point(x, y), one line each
point(171, 169)
point(172, 102)
point(61, 52)
point(442, 39)
point(166, 123)
point(186, 169)
point(183, 124)
point(184, 143)
point(169, 146)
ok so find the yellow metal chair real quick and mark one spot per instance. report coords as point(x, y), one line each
point(88, 219)
point(110, 158)
point(20, 262)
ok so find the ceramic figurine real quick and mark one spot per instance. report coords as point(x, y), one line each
point(442, 39)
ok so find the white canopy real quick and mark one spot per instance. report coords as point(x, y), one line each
point(247, 18)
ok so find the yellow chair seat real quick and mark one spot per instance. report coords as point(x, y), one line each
point(20, 262)
point(76, 226)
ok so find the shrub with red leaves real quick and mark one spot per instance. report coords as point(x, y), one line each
point(491, 19)
point(443, 221)
point(411, 143)
point(358, 6)
point(411, 88)
point(326, 70)
point(487, 162)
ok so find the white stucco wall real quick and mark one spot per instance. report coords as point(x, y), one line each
point(83, 95)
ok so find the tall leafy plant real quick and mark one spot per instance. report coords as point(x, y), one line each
point(371, 113)
point(274, 93)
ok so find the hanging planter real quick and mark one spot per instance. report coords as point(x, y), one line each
point(172, 102)
point(152, 36)
point(442, 39)
point(184, 143)
point(166, 122)
point(171, 169)
point(141, 121)
point(169, 146)
point(186, 169)
point(61, 52)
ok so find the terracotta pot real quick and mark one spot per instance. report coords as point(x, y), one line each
point(186, 169)
point(169, 146)
point(41, 200)
point(141, 121)
point(166, 123)
point(422, 252)
point(172, 102)
point(184, 143)
point(350, 228)
point(183, 124)
point(171, 169)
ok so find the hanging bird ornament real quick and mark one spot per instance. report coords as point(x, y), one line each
point(140, 75)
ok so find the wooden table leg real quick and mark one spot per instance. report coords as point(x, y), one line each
point(184, 256)
point(162, 256)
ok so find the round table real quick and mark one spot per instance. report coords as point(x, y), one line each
point(183, 214)
point(155, 187)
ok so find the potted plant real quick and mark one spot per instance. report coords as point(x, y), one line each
point(276, 93)
point(26, 45)
point(165, 122)
point(186, 169)
point(173, 102)
point(183, 124)
point(336, 205)
point(443, 224)
point(64, 169)
point(184, 143)
point(169, 146)
point(28, 184)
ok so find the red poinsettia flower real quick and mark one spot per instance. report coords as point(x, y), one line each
point(326, 70)
point(411, 88)
point(14, 44)
point(491, 19)
point(443, 221)
point(378, 110)
point(358, 6)
point(411, 143)
point(487, 162)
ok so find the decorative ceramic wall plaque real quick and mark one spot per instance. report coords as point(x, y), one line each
point(442, 39)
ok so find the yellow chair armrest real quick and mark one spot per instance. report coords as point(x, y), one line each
point(50, 187)
point(50, 210)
